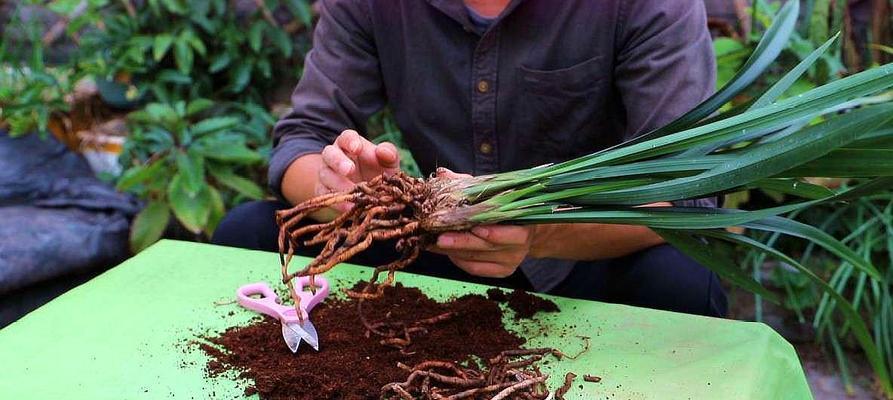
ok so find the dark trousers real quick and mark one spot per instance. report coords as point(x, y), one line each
point(659, 277)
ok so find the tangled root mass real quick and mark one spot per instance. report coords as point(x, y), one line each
point(397, 207)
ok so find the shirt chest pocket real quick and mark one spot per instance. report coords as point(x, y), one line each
point(560, 108)
point(577, 80)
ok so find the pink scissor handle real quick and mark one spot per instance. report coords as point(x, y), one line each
point(308, 299)
point(268, 303)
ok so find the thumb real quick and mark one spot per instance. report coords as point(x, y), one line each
point(387, 155)
point(442, 172)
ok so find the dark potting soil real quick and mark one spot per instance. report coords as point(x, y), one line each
point(524, 304)
point(354, 365)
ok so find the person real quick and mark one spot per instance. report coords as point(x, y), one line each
point(483, 86)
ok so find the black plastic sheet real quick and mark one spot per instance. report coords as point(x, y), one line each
point(56, 218)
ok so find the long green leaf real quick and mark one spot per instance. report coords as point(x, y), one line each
point(659, 167)
point(748, 138)
point(665, 217)
point(717, 256)
point(840, 163)
point(655, 217)
point(847, 163)
point(875, 148)
point(761, 162)
point(793, 75)
point(793, 187)
point(878, 139)
point(570, 193)
point(773, 93)
point(876, 185)
point(815, 235)
point(778, 114)
point(770, 46)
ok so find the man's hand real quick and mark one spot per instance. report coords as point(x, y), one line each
point(492, 251)
point(353, 159)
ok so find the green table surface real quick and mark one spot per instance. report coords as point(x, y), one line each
point(126, 334)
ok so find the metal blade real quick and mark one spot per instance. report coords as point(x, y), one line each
point(292, 339)
point(306, 332)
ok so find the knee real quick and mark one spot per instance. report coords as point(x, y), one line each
point(668, 279)
point(250, 225)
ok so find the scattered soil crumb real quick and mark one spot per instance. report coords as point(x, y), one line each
point(525, 304)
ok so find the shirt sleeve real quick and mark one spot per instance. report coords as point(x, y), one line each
point(665, 65)
point(341, 87)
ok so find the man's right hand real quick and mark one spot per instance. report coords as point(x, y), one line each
point(353, 159)
point(349, 160)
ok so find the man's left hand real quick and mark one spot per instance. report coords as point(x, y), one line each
point(491, 251)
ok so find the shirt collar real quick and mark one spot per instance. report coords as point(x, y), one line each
point(456, 10)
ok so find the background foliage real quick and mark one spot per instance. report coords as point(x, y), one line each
point(199, 82)
point(30, 91)
point(864, 225)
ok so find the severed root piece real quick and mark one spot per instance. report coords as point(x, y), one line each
point(568, 382)
point(398, 334)
point(397, 207)
point(511, 375)
point(592, 378)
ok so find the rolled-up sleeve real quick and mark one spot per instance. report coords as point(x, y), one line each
point(341, 87)
point(665, 65)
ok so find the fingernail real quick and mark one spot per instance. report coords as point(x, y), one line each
point(345, 167)
point(353, 146)
point(480, 232)
point(445, 240)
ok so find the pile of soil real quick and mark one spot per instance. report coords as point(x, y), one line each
point(353, 364)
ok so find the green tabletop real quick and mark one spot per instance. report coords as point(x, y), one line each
point(127, 334)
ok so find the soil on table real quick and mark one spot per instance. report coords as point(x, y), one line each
point(353, 364)
point(524, 304)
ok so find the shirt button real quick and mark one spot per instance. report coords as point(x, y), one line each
point(483, 86)
point(485, 148)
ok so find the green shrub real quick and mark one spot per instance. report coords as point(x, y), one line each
point(201, 75)
point(187, 165)
point(30, 91)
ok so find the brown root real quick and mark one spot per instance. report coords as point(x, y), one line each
point(508, 375)
point(398, 207)
point(398, 334)
point(568, 381)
